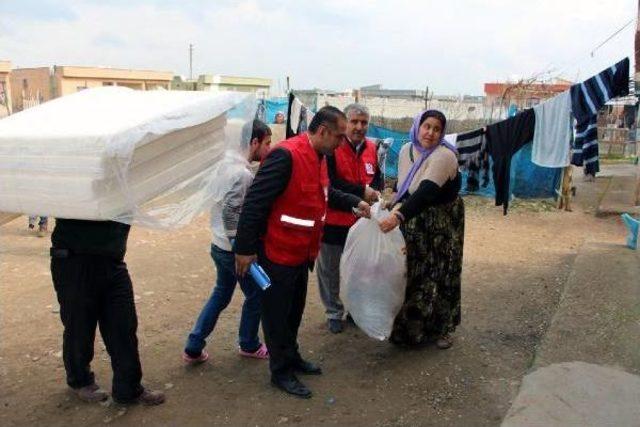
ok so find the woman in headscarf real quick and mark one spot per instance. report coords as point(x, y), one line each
point(430, 214)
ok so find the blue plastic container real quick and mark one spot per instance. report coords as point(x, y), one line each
point(259, 276)
point(633, 227)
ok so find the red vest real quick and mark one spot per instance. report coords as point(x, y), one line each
point(357, 169)
point(294, 226)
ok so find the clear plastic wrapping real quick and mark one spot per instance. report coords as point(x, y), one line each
point(146, 158)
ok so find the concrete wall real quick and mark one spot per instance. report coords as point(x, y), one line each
point(68, 80)
point(5, 89)
point(30, 86)
point(454, 108)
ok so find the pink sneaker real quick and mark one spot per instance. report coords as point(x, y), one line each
point(261, 353)
point(204, 356)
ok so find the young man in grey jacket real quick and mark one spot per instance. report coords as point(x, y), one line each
point(236, 177)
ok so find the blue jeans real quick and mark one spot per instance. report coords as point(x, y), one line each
point(219, 300)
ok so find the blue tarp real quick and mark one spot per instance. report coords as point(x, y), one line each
point(273, 105)
point(527, 179)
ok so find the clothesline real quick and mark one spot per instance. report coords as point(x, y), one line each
point(548, 125)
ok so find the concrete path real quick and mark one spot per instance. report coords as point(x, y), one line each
point(619, 195)
point(577, 394)
point(578, 376)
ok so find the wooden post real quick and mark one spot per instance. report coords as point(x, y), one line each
point(637, 202)
point(564, 196)
point(426, 98)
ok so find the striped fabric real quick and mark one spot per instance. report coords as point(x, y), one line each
point(586, 99)
point(472, 157)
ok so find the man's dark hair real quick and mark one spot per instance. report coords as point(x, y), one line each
point(328, 116)
point(259, 129)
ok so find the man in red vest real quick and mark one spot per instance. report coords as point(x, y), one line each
point(280, 226)
point(353, 168)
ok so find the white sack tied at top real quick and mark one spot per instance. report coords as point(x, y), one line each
point(114, 153)
point(373, 270)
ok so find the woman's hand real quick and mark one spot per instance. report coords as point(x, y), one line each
point(389, 223)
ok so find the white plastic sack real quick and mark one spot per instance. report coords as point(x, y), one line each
point(373, 271)
point(114, 153)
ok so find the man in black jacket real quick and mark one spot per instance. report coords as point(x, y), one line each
point(280, 226)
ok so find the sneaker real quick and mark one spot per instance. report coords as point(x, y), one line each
point(335, 326)
point(261, 353)
point(147, 398)
point(204, 356)
point(91, 393)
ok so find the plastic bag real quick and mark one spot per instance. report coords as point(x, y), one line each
point(633, 227)
point(373, 275)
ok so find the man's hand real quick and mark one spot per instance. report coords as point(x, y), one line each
point(370, 195)
point(242, 264)
point(389, 223)
point(363, 209)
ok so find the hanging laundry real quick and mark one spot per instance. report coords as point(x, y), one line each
point(585, 151)
point(504, 139)
point(261, 111)
point(290, 131)
point(472, 151)
point(451, 138)
point(298, 116)
point(553, 132)
point(304, 119)
point(586, 99)
point(296, 111)
point(469, 146)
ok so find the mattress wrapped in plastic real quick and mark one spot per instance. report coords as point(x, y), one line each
point(114, 153)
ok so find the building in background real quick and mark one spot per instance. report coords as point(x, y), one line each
point(32, 86)
point(217, 83)
point(522, 94)
point(5, 88)
point(389, 105)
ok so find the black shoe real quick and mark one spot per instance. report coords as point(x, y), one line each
point(335, 326)
point(147, 398)
point(291, 385)
point(308, 368)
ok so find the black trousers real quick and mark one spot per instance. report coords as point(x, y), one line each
point(97, 290)
point(282, 307)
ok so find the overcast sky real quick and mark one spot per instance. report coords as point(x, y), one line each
point(451, 46)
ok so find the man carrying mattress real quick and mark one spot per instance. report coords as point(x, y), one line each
point(237, 176)
point(94, 289)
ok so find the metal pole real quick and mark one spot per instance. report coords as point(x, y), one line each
point(190, 61)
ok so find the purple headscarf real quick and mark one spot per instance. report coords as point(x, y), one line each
point(424, 152)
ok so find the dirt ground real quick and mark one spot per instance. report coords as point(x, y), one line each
point(514, 271)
